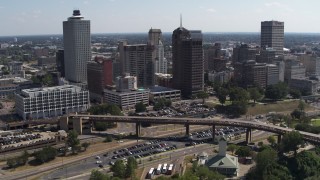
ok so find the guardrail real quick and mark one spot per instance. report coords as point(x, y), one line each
point(315, 138)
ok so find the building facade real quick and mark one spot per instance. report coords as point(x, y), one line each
point(15, 67)
point(272, 74)
point(51, 102)
point(187, 61)
point(272, 35)
point(294, 70)
point(243, 53)
point(138, 61)
point(307, 86)
point(250, 73)
point(126, 83)
point(159, 92)
point(99, 73)
point(60, 62)
point(77, 47)
point(126, 100)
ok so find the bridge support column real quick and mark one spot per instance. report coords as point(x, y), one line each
point(187, 129)
point(248, 135)
point(138, 129)
point(213, 132)
point(279, 138)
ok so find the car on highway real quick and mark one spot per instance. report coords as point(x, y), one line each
point(98, 162)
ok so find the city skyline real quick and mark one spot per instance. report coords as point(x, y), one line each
point(36, 17)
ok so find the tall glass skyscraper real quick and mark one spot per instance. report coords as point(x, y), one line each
point(77, 47)
point(272, 35)
point(188, 63)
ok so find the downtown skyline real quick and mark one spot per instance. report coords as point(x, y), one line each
point(35, 17)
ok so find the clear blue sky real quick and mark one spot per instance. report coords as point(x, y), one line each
point(28, 17)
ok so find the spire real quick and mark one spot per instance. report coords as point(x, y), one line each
point(180, 20)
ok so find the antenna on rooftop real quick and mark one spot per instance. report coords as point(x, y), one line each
point(180, 20)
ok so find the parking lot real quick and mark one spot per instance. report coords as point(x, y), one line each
point(183, 109)
point(19, 139)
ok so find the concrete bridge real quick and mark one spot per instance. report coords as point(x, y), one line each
point(79, 122)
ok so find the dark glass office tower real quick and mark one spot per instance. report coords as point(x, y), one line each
point(187, 59)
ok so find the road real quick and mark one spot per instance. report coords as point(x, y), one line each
point(85, 166)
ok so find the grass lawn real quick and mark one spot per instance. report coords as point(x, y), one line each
point(281, 106)
point(315, 122)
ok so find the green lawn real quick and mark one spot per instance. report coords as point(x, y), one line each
point(315, 122)
point(282, 106)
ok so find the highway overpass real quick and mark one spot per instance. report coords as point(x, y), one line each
point(79, 120)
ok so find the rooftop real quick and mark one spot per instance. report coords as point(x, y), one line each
point(161, 89)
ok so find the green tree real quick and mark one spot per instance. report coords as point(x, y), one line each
point(232, 148)
point(35, 80)
point(131, 167)
point(46, 154)
point(272, 140)
point(97, 175)
point(277, 91)
point(140, 107)
point(239, 95)
point(114, 110)
point(203, 95)
point(297, 114)
point(11, 162)
point(47, 80)
point(264, 158)
point(243, 151)
point(118, 169)
point(275, 171)
point(291, 141)
point(305, 164)
point(108, 138)
point(255, 95)
point(301, 106)
point(204, 173)
point(73, 141)
point(100, 126)
point(222, 95)
point(85, 145)
point(296, 94)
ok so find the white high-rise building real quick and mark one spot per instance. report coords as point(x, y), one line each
point(161, 61)
point(77, 47)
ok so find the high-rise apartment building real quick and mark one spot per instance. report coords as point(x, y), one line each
point(243, 53)
point(250, 73)
point(137, 60)
point(60, 62)
point(77, 47)
point(160, 62)
point(272, 35)
point(187, 61)
point(99, 74)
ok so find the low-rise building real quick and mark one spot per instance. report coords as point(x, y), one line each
point(306, 86)
point(51, 102)
point(158, 92)
point(126, 99)
point(15, 67)
point(224, 163)
point(46, 61)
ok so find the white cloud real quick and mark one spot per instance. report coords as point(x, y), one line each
point(211, 10)
point(278, 5)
